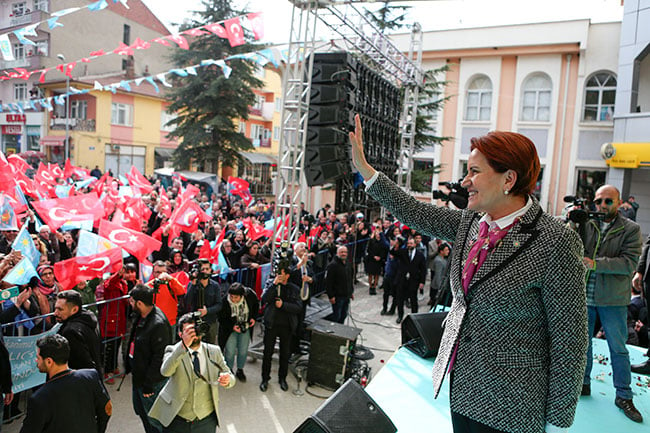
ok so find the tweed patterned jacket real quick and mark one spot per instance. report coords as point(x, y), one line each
point(522, 327)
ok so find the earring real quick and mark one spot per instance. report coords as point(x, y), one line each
point(506, 192)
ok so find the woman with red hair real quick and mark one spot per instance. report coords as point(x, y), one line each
point(515, 338)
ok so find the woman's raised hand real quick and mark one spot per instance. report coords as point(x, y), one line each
point(358, 157)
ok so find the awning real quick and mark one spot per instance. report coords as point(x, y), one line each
point(626, 155)
point(165, 152)
point(258, 158)
point(52, 140)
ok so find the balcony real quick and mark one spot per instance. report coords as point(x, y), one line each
point(265, 111)
point(24, 19)
point(30, 62)
point(87, 125)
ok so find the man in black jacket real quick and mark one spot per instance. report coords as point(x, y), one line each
point(283, 307)
point(150, 334)
point(411, 275)
point(79, 327)
point(338, 284)
point(204, 295)
point(71, 401)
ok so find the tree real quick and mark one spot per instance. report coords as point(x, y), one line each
point(388, 17)
point(208, 103)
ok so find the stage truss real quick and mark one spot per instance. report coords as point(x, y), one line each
point(353, 32)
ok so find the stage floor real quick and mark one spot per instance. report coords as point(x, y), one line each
point(404, 390)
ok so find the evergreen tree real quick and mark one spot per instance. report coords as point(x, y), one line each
point(388, 17)
point(207, 104)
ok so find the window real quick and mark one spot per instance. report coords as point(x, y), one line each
point(257, 131)
point(165, 118)
point(126, 34)
point(278, 104)
point(78, 110)
point(42, 48)
point(276, 132)
point(242, 128)
point(479, 99)
point(588, 182)
point(121, 114)
point(19, 9)
point(19, 51)
point(600, 96)
point(41, 5)
point(20, 92)
point(259, 102)
point(536, 99)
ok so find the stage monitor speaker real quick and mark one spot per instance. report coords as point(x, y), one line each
point(349, 409)
point(329, 354)
point(422, 333)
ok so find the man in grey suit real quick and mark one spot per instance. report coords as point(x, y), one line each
point(189, 402)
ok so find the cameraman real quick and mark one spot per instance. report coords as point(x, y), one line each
point(283, 308)
point(204, 295)
point(612, 249)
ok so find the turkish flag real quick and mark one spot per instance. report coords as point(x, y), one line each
point(188, 193)
point(69, 170)
point(255, 231)
point(235, 32)
point(134, 242)
point(237, 185)
point(55, 170)
point(44, 175)
point(256, 21)
point(131, 212)
point(217, 29)
point(26, 184)
point(166, 206)
point(182, 277)
point(18, 163)
point(180, 40)
point(206, 251)
point(188, 216)
point(56, 212)
point(72, 271)
point(136, 179)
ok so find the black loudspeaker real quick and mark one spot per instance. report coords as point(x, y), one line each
point(349, 409)
point(329, 355)
point(422, 333)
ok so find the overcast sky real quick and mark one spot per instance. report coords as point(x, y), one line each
point(432, 15)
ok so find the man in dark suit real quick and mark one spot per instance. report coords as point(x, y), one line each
point(71, 401)
point(338, 284)
point(412, 274)
point(641, 283)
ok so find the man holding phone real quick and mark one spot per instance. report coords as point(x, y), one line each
point(189, 401)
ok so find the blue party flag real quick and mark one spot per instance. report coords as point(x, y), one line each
point(8, 219)
point(21, 273)
point(25, 244)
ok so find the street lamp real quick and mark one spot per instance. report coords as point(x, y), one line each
point(67, 111)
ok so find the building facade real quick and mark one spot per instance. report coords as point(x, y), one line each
point(629, 164)
point(553, 82)
point(83, 32)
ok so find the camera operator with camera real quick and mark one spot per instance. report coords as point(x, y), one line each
point(612, 248)
point(189, 401)
point(204, 296)
point(236, 320)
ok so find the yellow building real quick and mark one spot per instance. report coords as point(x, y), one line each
point(263, 129)
point(110, 130)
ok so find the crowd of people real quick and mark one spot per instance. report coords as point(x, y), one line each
point(195, 309)
point(211, 272)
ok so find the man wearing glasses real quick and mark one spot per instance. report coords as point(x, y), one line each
point(612, 248)
point(189, 401)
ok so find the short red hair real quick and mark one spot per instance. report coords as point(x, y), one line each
point(511, 151)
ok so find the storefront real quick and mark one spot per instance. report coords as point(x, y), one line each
point(21, 132)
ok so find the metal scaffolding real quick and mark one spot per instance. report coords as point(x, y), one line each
point(353, 33)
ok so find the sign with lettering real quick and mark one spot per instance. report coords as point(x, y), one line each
point(22, 355)
point(12, 130)
point(16, 118)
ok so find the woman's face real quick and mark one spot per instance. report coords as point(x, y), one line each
point(485, 186)
point(397, 232)
point(178, 259)
point(48, 277)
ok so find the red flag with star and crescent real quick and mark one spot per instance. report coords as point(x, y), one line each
point(136, 243)
point(70, 272)
point(57, 212)
point(138, 182)
point(188, 216)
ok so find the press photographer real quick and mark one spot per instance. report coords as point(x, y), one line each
point(204, 296)
point(578, 212)
point(612, 245)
